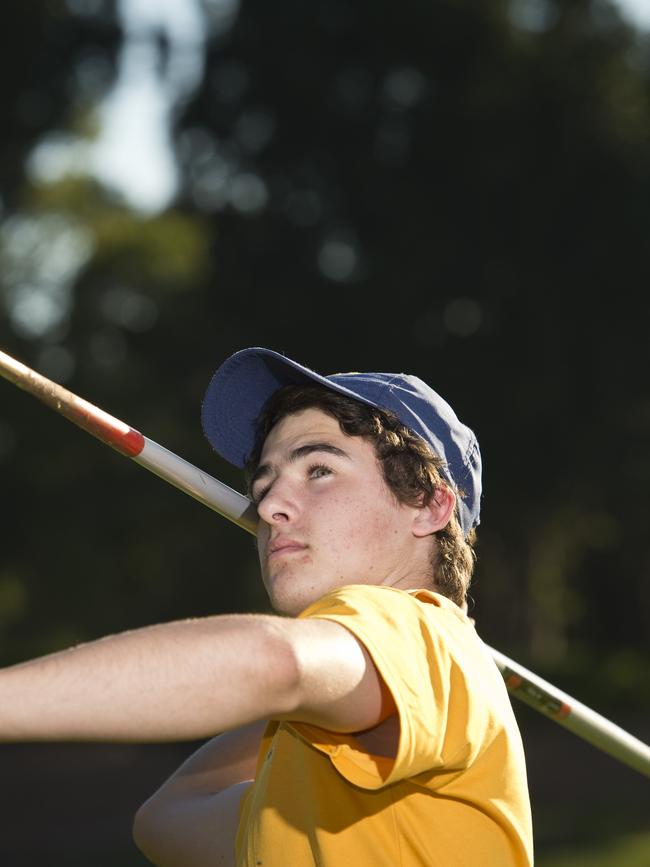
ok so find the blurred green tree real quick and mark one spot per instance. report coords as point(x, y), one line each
point(456, 189)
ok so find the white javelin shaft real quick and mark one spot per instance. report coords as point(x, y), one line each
point(193, 481)
point(521, 683)
point(572, 714)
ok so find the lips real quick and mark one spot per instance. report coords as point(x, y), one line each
point(283, 545)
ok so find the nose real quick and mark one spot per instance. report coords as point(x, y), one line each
point(279, 505)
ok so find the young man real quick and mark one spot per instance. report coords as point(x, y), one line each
point(366, 723)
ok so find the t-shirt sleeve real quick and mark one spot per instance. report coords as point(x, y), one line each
point(411, 644)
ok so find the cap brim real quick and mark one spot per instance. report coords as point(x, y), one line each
point(238, 392)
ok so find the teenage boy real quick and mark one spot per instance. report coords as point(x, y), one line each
point(364, 723)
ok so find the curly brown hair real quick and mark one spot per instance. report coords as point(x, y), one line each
point(410, 469)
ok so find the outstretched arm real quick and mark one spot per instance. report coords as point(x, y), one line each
point(188, 680)
point(191, 679)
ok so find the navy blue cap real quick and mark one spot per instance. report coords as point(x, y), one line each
point(246, 380)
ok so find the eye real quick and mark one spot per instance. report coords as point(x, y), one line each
point(314, 471)
point(318, 471)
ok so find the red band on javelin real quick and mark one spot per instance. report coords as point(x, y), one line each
point(105, 427)
point(130, 443)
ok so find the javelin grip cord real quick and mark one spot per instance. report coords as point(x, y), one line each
point(520, 682)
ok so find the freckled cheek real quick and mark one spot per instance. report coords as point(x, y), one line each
point(379, 539)
point(359, 531)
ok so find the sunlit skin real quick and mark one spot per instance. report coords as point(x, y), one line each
point(328, 519)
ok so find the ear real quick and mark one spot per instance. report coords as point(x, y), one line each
point(436, 514)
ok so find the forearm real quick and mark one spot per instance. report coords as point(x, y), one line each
point(219, 763)
point(176, 681)
point(192, 818)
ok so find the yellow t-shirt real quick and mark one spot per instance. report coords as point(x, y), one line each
point(455, 795)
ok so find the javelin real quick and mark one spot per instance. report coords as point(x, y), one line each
point(230, 504)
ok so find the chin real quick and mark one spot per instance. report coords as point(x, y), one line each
point(290, 604)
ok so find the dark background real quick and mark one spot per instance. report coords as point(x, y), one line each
point(455, 189)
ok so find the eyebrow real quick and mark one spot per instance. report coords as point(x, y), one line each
point(295, 455)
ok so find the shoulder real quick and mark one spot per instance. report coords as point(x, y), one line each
point(391, 603)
